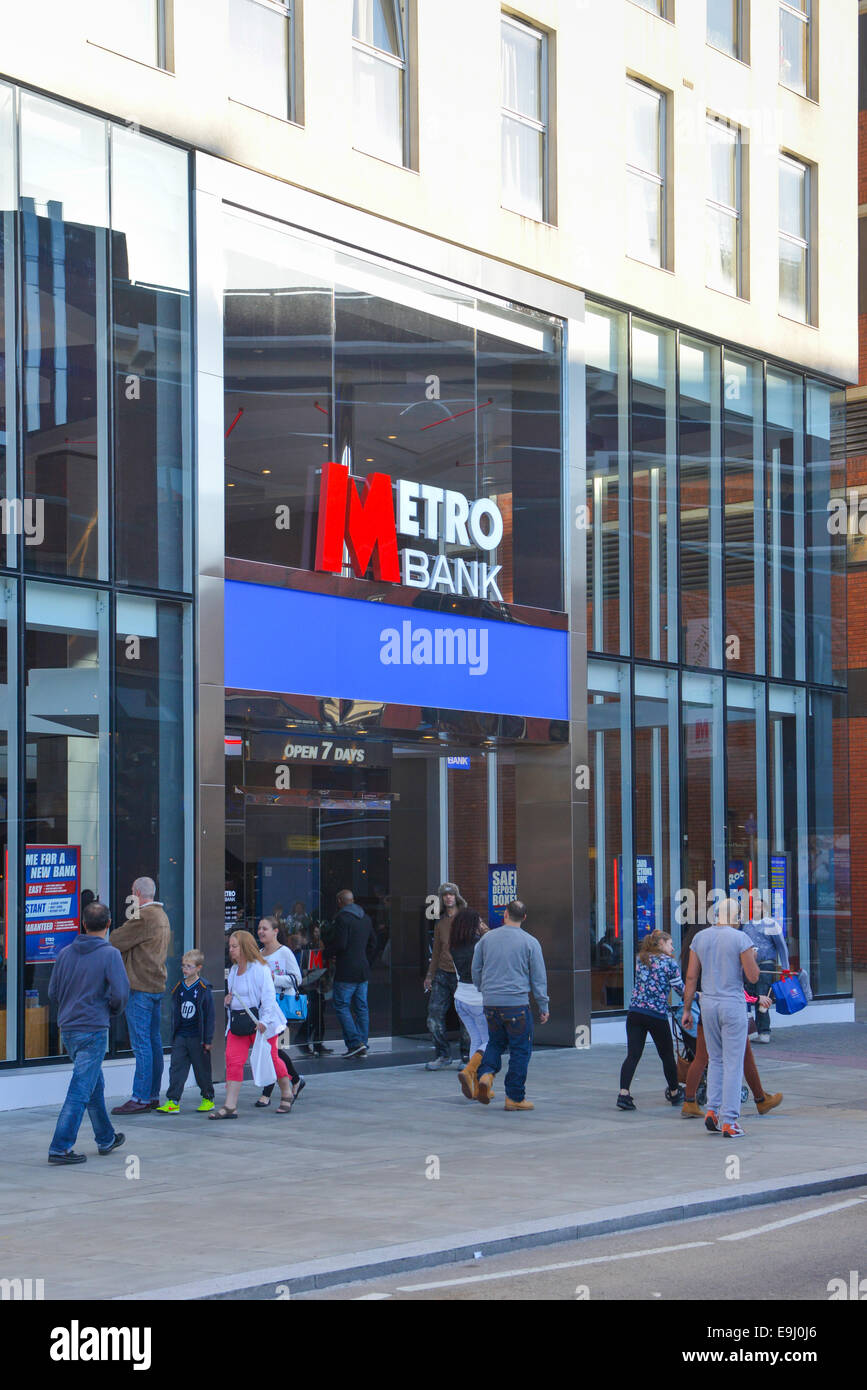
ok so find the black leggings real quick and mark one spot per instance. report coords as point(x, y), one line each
point(637, 1028)
point(290, 1067)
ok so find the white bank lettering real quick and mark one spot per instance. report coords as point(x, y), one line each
point(77, 1343)
point(439, 646)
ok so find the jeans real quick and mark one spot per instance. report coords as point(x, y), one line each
point(350, 1005)
point(86, 1092)
point(143, 1022)
point(472, 1016)
point(763, 986)
point(510, 1028)
point(442, 993)
point(637, 1028)
point(724, 1022)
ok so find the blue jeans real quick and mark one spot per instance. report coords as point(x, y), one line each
point(350, 1005)
point(143, 1022)
point(86, 1092)
point(510, 1028)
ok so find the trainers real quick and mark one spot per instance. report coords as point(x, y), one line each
point(115, 1144)
point(438, 1064)
point(691, 1110)
point(676, 1096)
point(762, 1038)
point(711, 1122)
point(733, 1131)
point(769, 1103)
point(485, 1089)
point(172, 1108)
point(354, 1052)
point(626, 1103)
point(205, 1104)
point(518, 1104)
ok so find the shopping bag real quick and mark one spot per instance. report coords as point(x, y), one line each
point(261, 1061)
point(788, 995)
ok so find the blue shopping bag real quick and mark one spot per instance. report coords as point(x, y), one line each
point(788, 994)
point(294, 1007)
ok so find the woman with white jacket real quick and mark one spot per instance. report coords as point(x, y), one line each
point(252, 1007)
point(286, 974)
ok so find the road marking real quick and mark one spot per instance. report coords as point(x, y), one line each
point(545, 1269)
point(793, 1220)
point(367, 1297)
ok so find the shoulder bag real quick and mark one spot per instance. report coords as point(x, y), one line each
point(242, 1022)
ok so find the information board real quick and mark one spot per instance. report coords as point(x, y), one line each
point(52, 899)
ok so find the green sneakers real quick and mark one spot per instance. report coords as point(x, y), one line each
point(168, 1109)
point(206, 1105)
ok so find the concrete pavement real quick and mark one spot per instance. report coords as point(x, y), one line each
point(393, 1169)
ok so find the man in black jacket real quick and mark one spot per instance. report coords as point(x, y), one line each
point(353, 944)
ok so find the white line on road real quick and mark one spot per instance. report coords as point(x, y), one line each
point(366, 1297)
point(545, 1269)
point(792, 1220)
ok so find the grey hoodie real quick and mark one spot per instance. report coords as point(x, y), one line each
point(88, 984)
point(507, 964)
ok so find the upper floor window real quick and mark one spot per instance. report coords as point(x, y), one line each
point(724, 206)
point(262, 47)
point(794, 243)
point(379, 61)
point(796, 45)
point(645, 169)
point(725, 22)
point(655, 6)
point(524, 118)
point(137, 29)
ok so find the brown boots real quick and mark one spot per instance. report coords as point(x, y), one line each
point(468, 1079)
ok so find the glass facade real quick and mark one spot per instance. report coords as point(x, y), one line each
point(97, 575)
point(705, 715)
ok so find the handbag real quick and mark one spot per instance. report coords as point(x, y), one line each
point(242, 1022)
point(788, 995)
point(293, 1007)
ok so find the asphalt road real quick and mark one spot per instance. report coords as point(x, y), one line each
point(787, 1250)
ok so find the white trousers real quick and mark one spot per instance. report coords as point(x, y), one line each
point(473, 1018)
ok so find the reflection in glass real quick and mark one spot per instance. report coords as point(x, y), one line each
point(794, 188)
point(785, 525)
point(700, 507)
point(645, 173)
point(794, 45)
point(654, 492)
point(608, 540)
point(746, 789)
point(787, 808)
point(657, 796)
point(9, 916)
point(8, 200)
point(743, 482)
point(523, 134)
point(829, 868)
point(723, 25)
point(826, 570)
point(260, 44)
point(723, 207)
point(379, 78)
point(703, 783)
point(612, 937)
point(129, 27)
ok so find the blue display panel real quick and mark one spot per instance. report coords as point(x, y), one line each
point(298, 643)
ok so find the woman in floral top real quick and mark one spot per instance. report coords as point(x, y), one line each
point(656, 974)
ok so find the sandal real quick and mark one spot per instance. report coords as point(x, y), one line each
point(299, 1088)
point(223, 1114)
point(285, 1106)
point(262, 1103)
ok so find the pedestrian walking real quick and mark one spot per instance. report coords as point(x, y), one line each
point(442, 978)
point(724, 955)
point(507, 966)
point(467, 929)
point(691, 1109)
point(352, 942)
point(89, 987)
point(144, 943)
point(192, 1036)
point(286, 974)
point(767, 936)
point(315, 982)
point(657, 973)
point(252, 1009)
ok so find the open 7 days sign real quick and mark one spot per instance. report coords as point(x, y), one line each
point(369, 522)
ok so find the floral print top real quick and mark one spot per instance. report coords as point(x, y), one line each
point(653, 983)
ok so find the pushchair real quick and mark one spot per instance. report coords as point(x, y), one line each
point(684, 1050)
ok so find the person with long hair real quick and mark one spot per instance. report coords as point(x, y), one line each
point(467, 928)
point(690, 1108)
point(286, 974)
point(657, 973)
point(252, 1008)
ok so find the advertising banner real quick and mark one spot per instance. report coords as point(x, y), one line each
point(779, 889)
point(52, 899)
point(645, 902)
point(502, 888)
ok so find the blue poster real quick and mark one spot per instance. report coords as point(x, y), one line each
point(645, 901)
point(502, 888)
point(779, 889)
point(737, 876)
point(52, 899)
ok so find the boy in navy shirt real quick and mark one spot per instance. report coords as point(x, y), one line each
point(192, 1035)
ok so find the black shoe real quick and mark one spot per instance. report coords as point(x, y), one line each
point(299, 1088)
point(71, 1157)
point(354, 1052)
point(626, 1103)
point(325, 1051)
point(118, 1140)
point(309, 1050)
point(676, 1096)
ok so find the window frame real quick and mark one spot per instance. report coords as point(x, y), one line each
point(805, 243)
point(288, 10)
point(741, 53)
point(805, 17)
point(661, 179)
point(540, 127)
point(736, 213)
point(402, 10)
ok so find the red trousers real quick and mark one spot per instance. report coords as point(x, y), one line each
point(238, 1050)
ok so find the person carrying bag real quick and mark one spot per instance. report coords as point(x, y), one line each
point(254, 1017)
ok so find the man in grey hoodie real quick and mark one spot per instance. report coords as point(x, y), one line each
point(89, 987)
point(508, 965)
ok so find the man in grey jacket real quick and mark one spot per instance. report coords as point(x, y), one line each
point(507, 966)
point(89, 986)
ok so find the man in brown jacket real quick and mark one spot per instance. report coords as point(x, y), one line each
point(144, 943)
point(442, 978)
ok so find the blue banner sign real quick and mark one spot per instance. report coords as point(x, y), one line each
point(459, 763)
point(51, 899)
point(779, 889)
point(293, 642)
point(502, 889)
point(645, 904)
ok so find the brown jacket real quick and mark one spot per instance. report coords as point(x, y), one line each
point(144, 943)
point(441, 956)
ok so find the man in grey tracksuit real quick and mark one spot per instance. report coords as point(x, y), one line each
point(507, 965)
